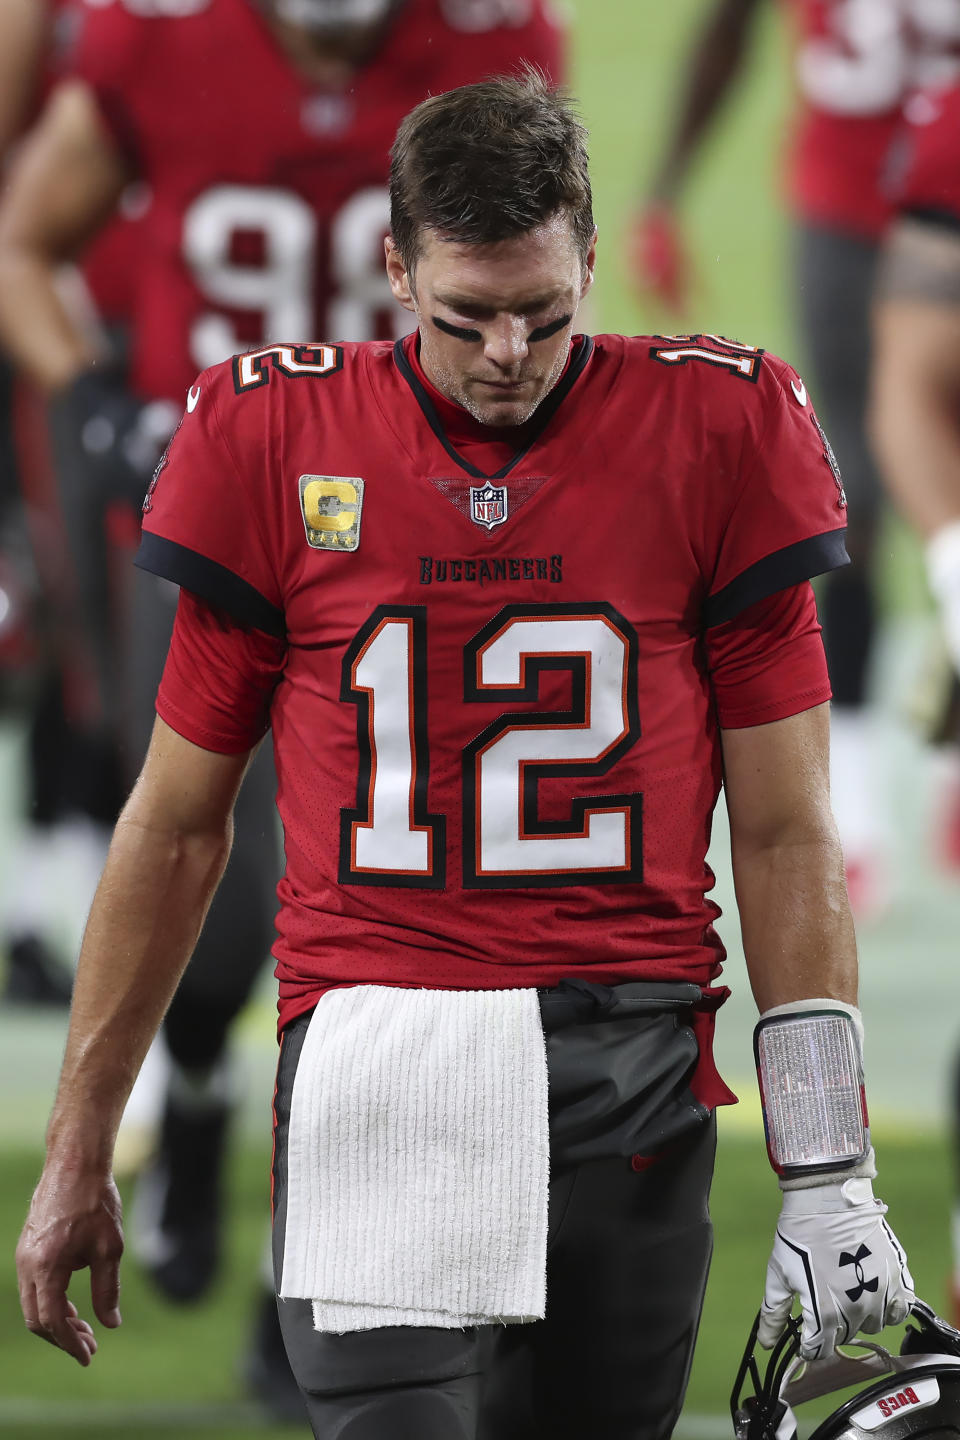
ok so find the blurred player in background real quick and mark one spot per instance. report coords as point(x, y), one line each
point(269, 206)
point(915, 400)
point(856, 61)
point(60, 554)
point(23, 35)
point(21, 32)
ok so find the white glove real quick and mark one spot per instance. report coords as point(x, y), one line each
point(835, 1251)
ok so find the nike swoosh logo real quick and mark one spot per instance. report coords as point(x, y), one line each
point(799, 390)
point(193, 395)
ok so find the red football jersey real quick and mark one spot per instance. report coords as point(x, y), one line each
point(931, 180)
point(857, 62)
point(496, 740)
point(269, 199)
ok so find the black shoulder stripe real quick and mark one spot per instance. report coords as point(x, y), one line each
point(789, 566)
point(211, 581)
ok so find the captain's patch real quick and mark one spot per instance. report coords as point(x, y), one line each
point(331, 506)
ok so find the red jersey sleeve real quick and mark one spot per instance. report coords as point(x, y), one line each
point(201, 522)
point(219, 678)
point(788, 516)
point(769, 661)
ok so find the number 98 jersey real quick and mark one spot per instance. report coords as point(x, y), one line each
point(495, 733)
point(269, 199)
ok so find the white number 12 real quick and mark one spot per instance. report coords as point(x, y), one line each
point(389, 838)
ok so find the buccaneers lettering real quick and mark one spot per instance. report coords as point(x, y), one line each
point(435, 571)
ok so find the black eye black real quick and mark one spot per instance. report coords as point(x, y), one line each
point(459, 332)
point(462, 332)
point(543, 332)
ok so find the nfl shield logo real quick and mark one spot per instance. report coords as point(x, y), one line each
point(488, 505)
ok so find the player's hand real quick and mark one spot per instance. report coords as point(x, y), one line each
point(74, 1222)
point(120, 438)
point(834, 1250)
point(657, 257)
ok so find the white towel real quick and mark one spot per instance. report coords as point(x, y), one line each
point(418, 1160)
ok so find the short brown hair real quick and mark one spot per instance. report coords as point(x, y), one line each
point(487, 162)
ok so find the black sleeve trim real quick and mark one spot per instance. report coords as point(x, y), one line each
point(789, 566)
point(211, 581)
point(930, 215)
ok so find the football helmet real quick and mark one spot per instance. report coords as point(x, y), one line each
point(919, 1396)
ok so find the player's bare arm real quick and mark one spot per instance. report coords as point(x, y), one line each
point(23, 32)
point(800, 950)
point(168, 852)
point(915, 399)
point(66, 181)
point(798, 935)
point(716, 59)
point(718, 54)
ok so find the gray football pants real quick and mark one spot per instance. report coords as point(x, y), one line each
point(834, 275)
point(628, 1253)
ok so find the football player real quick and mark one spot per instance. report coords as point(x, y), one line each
point(915, 400)
point(855, 63)
point(268, 210)
point(74, 787)
point(511, 600)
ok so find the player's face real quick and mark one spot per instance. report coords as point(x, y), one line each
point(495, 320)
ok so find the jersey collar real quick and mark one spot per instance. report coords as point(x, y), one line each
point(452, 424)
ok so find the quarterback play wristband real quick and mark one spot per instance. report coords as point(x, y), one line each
point(810, 1073)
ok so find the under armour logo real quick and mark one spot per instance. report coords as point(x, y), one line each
point(857, 1261)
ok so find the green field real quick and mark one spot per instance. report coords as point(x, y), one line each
point(176, 1372)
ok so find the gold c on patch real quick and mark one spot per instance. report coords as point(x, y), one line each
point(331, 506)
